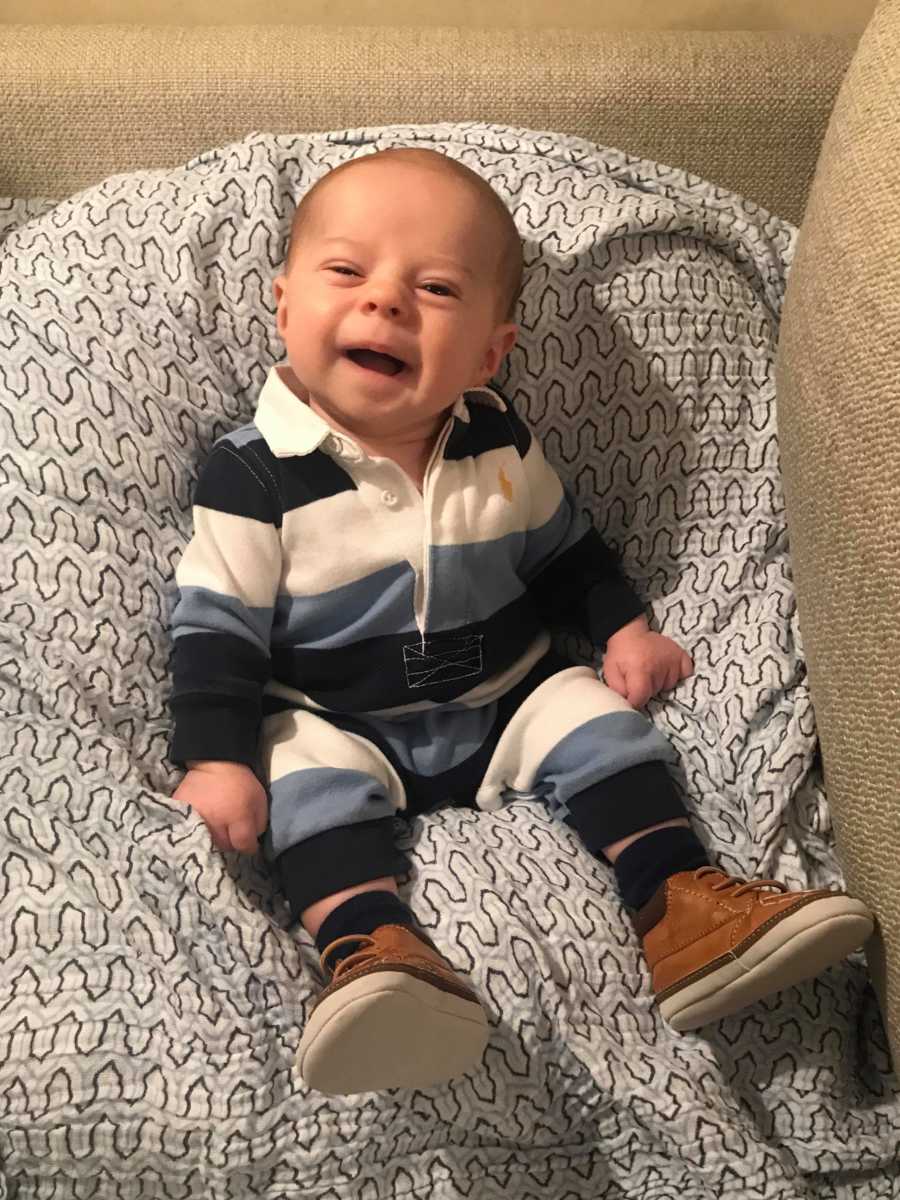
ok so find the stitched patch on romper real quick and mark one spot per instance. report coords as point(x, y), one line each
point(445, 657)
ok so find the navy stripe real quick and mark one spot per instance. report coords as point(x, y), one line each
point(338, 859)
point(487, 429)
point(216, 699)
point(310, 477)
point(623, 804)
point(522, 432)
point(385, 672)
point(219, 664)
point(242, 491)
point(584, 589)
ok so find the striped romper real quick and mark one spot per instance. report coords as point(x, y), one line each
point(371, 651)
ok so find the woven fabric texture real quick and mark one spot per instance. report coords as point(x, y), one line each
point(745, 110)
point(839, 419)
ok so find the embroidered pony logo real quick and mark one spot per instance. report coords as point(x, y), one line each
point(505, 486)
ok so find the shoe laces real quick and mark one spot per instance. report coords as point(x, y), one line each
point(735, 881)
point(352, 960)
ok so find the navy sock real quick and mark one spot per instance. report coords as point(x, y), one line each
point(361, 914)
point(649, 861)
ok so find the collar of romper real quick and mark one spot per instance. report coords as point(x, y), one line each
point(291, 427)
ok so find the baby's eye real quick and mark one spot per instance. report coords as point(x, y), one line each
point(342, 270)
point(437, 289)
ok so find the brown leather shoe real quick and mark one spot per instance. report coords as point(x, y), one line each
point(715, 943)
point(394, 1015)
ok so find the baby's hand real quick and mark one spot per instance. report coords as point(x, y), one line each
point(231, 801)
point(639, 663)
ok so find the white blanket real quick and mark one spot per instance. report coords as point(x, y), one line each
point(152, 996)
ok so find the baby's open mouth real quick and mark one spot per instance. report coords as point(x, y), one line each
point(374, 360)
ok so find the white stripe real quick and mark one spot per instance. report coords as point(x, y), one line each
point(295, 741)
point(543, 483)
point(232, 555)
point(344, 538)
point(490, 495)
point(562, 703)
point(480, 499)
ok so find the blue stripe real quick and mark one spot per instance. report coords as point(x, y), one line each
point(472, 581)
point(599, 748)
point(377, 605)
point(202, 610)
point(240, 437)
point(315, 799)
point(554, 537)
point(428, 743)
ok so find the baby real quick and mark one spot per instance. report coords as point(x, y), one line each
point(362, 633)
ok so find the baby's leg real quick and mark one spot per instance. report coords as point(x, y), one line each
point(394, 1013)
point(714, 942)
point(313, 917)
point(598, 765)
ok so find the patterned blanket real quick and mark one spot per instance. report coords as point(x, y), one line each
point(152, 995)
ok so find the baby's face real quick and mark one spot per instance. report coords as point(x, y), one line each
point(394, 260)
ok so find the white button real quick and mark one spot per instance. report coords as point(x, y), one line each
point(389, 498)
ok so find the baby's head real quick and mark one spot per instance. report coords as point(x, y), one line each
point(401, 281)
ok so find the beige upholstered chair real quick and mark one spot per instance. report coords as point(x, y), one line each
point(839, 420)
point(747, 110)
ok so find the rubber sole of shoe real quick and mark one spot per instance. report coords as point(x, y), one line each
point(799, 947)
point(390, 1030)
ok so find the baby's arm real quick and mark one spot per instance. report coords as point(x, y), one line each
point(228, 581)
point(578, 584)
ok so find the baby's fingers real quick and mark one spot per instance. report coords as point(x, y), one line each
point(671, 678)
point(614, 677)
point(679, 669)
point(641, 687)
point(219, 835)
point(243, 835)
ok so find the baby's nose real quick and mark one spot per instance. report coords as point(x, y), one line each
point(384, 295)
point(383, 305)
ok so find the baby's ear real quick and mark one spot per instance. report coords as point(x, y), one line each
point(502, 341)
point(278, 286)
